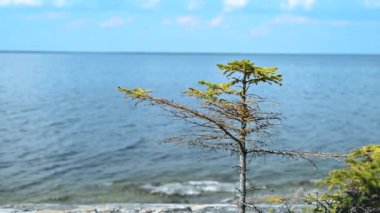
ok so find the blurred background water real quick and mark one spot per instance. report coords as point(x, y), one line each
point(67, 135)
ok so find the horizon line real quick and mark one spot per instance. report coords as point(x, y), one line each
point(174, 52)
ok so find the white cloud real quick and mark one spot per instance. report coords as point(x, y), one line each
point(5, 3)
point(260, 31)
point(76, 24)
point(292, 4)
point(194, 21)
point(298, 20)
point(339, 23)
point(216, 21)
point(115, 21)
point(35, 3)
point(47, 16)
point(167, 22)
point(292, 19)
point(372, 3)
point(194, 4)
point(61, 3)
point(187, 20)
point(148, 4)
point(288, 19)
point(234, 4)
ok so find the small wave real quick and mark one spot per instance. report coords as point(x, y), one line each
point(133, 145)
point(55, 199)
point(314, 181)
point(190, 188)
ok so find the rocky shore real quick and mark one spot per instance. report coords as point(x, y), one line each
point(139, 208)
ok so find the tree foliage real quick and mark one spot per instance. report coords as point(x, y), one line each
point(354, 188)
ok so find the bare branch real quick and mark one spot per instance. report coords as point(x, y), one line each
point(187, 110)
point(297, 154)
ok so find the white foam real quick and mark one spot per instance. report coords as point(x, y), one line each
point(190, 188)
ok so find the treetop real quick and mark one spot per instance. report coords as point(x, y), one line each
point(254, 74)
point(241, 74)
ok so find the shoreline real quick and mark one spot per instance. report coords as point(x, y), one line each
point(140, 208)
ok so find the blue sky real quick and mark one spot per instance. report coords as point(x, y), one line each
point(248, 26)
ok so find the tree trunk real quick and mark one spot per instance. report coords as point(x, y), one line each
point(242, 181)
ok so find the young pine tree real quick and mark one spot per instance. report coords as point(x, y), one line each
point(228, 117)
point(353, 188)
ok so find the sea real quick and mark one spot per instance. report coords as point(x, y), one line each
point(68, 136)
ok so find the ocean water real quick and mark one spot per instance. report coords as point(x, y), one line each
point(68, 136)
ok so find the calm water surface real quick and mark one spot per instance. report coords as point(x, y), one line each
point(67, 135)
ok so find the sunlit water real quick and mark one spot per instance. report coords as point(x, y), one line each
point(67, 135)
